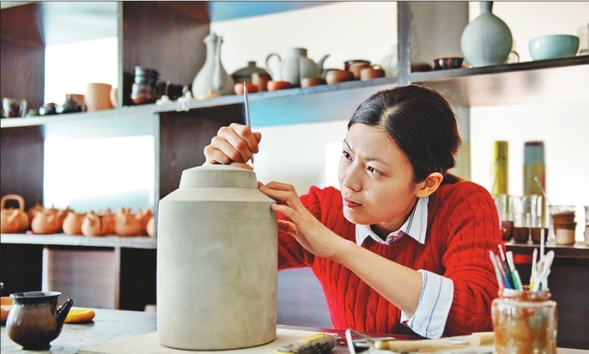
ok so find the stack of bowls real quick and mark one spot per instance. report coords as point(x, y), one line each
point(144, 88)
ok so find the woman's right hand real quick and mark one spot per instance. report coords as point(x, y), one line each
point(235, 143)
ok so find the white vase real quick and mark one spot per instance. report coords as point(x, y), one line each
point(212, 76)
point(487, 39)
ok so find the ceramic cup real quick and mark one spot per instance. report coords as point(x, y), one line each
point(98, 96)
point(312, 81)
point(356, 68)
point(372, 72)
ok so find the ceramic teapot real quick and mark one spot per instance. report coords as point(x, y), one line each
point(144, 216)
point(35, 320)
point(72, 224)
point(295, 66)
point(92, 225)
point(107, 219)
point(126, 224)
point(48, 221)
point(14, 219)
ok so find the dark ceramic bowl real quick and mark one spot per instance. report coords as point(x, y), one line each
point(448, 63)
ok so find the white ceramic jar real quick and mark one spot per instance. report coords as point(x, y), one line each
point(216, 262)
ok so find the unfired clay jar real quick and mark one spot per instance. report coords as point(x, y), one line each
point(216, 262)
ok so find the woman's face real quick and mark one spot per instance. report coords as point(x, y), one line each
point(376, 179)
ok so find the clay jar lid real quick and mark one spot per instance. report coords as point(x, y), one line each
point(218, 176)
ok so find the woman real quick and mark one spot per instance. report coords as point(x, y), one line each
point(403, 246)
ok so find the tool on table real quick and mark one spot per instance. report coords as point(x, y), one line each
point(247, 113)
point(472, 341)
point(362, 344)
point(319, 343)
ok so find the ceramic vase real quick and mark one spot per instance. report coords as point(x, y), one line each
point(216, 262)
point(212, 76)
point(390, 62)
point(487, 39)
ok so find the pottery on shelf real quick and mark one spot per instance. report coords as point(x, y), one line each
point(390, 62)
point(295, 66)
point(212, 76)
point(487, 39)
point(245, 74)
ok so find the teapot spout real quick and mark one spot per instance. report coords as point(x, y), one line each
point(62, 312)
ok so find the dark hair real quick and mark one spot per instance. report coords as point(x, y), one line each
point(420, 122)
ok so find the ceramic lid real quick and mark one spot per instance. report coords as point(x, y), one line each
point(218, 176)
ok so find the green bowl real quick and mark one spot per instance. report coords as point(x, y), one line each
point(553, 46)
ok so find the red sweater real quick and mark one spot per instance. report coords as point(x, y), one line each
point(462, 227)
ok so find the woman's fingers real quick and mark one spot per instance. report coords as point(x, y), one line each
point(235, 143)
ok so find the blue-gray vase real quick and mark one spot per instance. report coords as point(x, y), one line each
point(487, 39)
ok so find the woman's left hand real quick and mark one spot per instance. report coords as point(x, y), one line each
point(304, 226)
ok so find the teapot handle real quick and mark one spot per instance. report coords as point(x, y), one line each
point(18, 198)
point(268, 63)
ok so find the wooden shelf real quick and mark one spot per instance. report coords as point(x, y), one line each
point(143, 242)
point(530, 82)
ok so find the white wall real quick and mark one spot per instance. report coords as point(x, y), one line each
point(297, 154)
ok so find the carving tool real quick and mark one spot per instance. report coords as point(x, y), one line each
point(247, 114)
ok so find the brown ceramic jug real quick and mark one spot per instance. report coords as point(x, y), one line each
point(35, 320)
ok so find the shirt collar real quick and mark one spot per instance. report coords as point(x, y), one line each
point(415, 226)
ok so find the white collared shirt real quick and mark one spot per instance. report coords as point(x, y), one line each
point(437, 292)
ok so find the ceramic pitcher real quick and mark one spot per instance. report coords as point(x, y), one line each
point(295, 66)
point(35, 318)
point(216, 262)
point(212, 76)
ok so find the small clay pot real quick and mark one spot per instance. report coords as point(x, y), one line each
point(536, 234)
point(238, 88)
point(356, 68)
point(261, 80)
point(506, 230)
point(521, 234)
point(312, 81)
point(372, 72)
point(335, 76)
point(278, 85)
